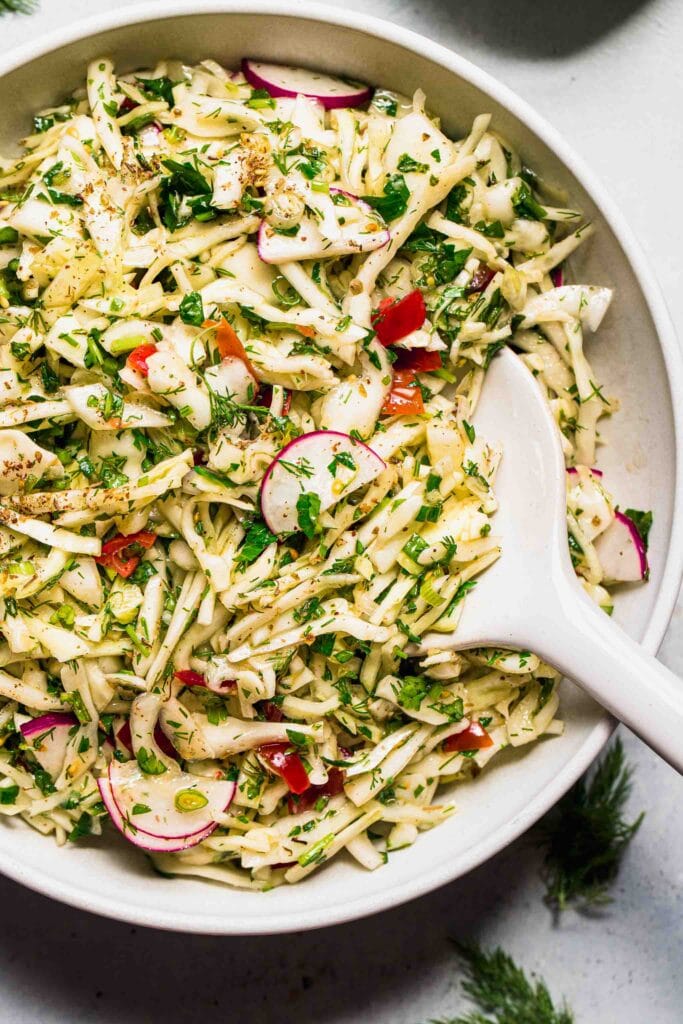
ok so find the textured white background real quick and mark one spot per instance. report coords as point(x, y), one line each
point(608, 73)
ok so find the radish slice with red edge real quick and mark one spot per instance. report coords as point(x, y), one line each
point(283, 80)
point(362, 232)
point(47, 737)
point(174, 805)
point(621, 551)
point(129, 830)
point(326, 466)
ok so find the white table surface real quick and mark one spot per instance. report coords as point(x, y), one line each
point(609, 74)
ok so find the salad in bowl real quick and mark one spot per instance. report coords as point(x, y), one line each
point(245, 319)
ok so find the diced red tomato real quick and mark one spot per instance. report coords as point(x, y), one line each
point(419, 360)
point(127, 105)
point(557, 276)
point(481, 279)
point(145, 538)
point(405, 397)
point(189, 678)
point(333, 786)
point(396, 319)
point(475, 737)
point(308, 332)
point(137, 360)
point(114, 550)
point(229, 344)
point(287, 764)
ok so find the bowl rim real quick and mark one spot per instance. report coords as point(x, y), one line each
point(342, 911)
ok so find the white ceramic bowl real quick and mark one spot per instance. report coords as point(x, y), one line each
point(636, 353)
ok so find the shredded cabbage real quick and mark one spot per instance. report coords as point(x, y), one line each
point(152, 367)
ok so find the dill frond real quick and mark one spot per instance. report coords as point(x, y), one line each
point(503, 992)
point(18, 6)
point(585, 836)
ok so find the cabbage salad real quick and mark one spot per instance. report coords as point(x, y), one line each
point(245, 319)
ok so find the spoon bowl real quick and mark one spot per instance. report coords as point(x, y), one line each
point(531, 598)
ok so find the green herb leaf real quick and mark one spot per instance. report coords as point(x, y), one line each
point(493, 230)
point(157, 89)
point(585, 836)
point(407, 164)
point(502, 990)
point(187, 179)
point(526, 205)
point(394, 202)
point(82, 828)
point(150, 763)
point(18, 6)
point(191, 309)
point(413, 691)
point(9, 794)
point(307, 511)
point(258, 538)
point(49, 379)
point(642, 522)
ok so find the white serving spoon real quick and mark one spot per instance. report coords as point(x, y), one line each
point(531, 599)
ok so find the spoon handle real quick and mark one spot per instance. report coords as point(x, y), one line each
point(590, 648)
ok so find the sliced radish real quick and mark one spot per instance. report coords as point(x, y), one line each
point(326, 464)
point(179, 805)
point(357, 229)
point(47, 737)
point(129, 830)
point(282, 80)
point(621, 551)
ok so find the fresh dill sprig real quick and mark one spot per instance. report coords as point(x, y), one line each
point(585, 836)
point(18, 6)
point(503, 992)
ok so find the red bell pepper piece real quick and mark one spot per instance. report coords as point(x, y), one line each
point(333, 786)
point(189, 678)
point(287, 764)
point(124, 567)
point(405, 397)
point(145, 538)
point(419, 360)
point(396, 319)
point(229, 344)
point(137, 360)
point(114, 549)
point(557, 276)
point(475, 737)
